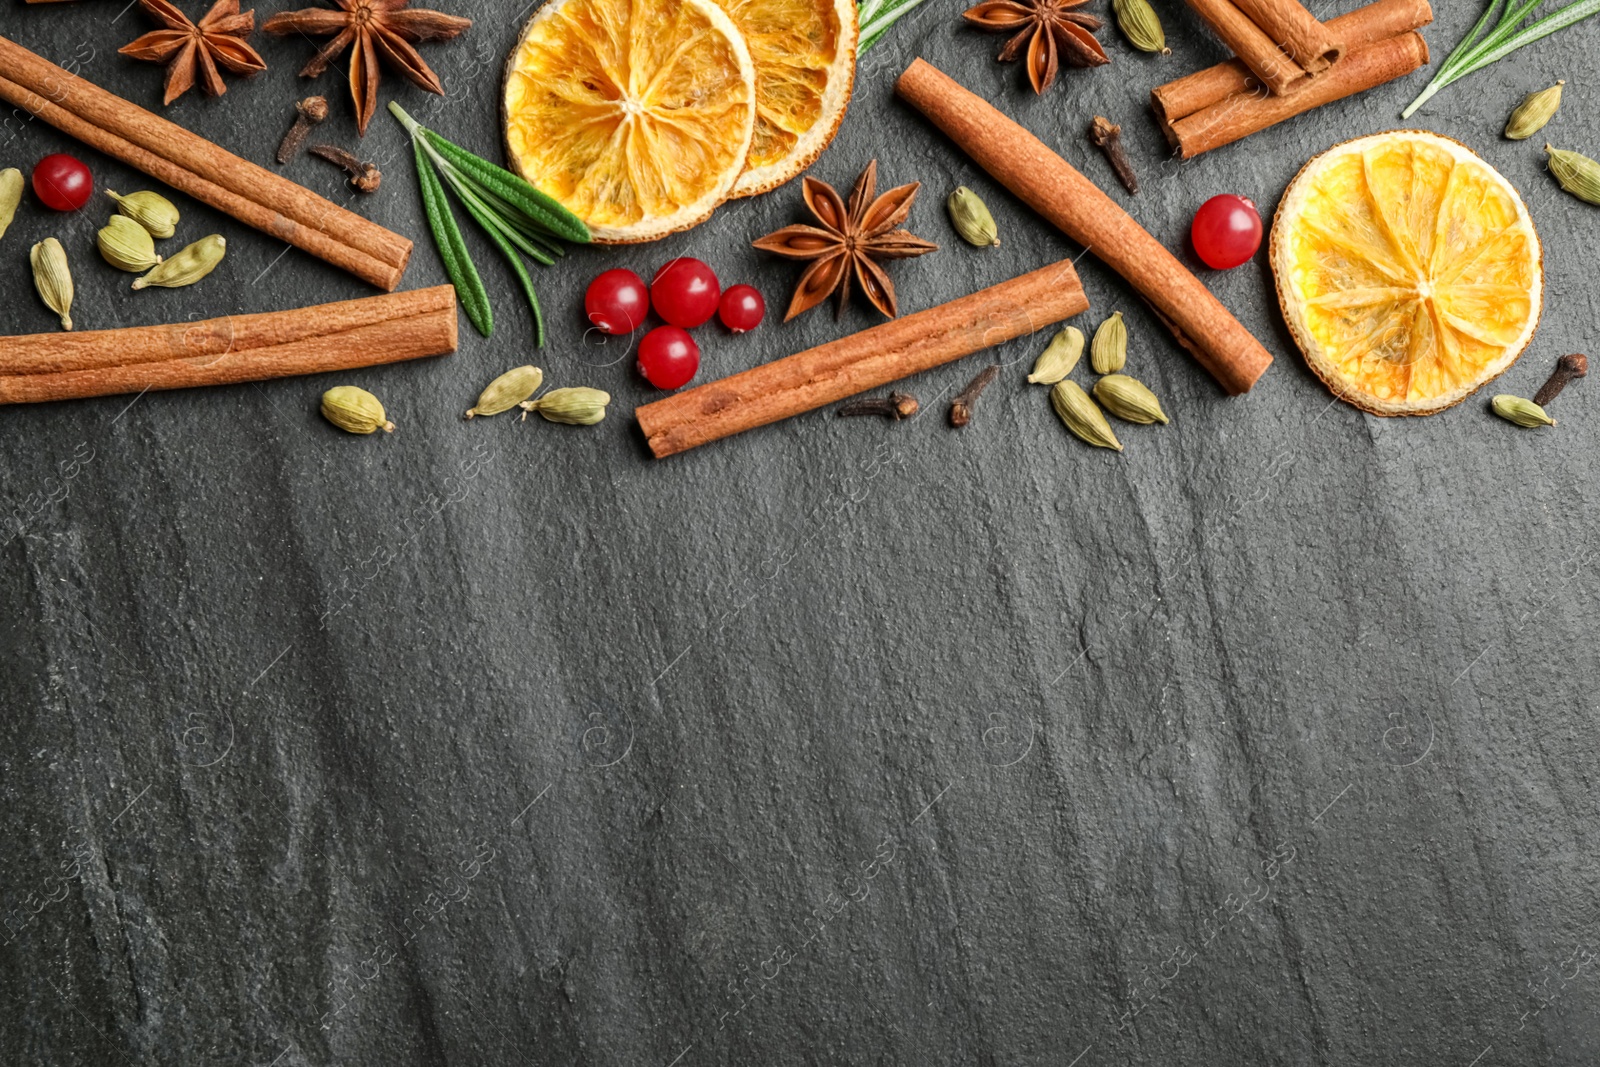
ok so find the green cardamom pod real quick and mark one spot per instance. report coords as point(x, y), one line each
point(1141, 25)
point(1535, 111)
point(577, 406)
point(126, 245)
point(1578, 175)
point(971, 218)
point(151, 210)
point(1081, 416)
point(1109, 352)
point(1129, 399)
point(1524, 413)
point(10, 196)
point(354, 410)
point(53, 278)
point(1058, 358)
point(507, 391)
point(188, 266)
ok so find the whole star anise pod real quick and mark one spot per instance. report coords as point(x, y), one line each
point(1053, 32)
point(188, 49)
point(851, 240)
point(376, 28)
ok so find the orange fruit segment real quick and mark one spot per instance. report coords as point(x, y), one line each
point(637, 115)
point(804, 53)
point(1408, 269)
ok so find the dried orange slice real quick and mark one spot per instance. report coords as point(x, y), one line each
point(636, 114)
point(1408, 269)
point(805, 57)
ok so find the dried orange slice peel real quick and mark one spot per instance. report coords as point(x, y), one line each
point(805, 57)
point(637, 115)
point(1408, 270)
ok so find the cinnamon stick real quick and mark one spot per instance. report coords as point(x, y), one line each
point(55, 353)
point(1050, 185)
point(284, 344)
point(874, 357)
point(205, 171)
point(1313, 46)
point(1249, 42)
point(1242, 114)
point(1363, 26)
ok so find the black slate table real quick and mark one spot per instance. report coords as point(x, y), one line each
point(1269, 741)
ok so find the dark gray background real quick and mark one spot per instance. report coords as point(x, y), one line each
point(1268, 741)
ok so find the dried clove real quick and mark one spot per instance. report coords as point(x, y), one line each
point(1107, 136)
point(961, 406)
point(895, 406)
point(1569, 367)
point(364, 177)
point(308, 112)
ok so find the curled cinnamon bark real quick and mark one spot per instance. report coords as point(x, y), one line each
point(1081, 210)
point(1364, 26)
point(1238, 116)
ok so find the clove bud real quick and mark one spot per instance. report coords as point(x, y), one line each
point(1568, 367)
point(1107, 136)
point(961, 406)
point(895, 406)
point(308, 112)
point(364, 176)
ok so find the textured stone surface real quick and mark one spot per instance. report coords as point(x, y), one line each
point(498, 742)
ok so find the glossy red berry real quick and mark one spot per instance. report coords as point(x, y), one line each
point(685, 293)
point(617, 301)
point(668, 357)
point(742, 308)
point(1226, 231)
point(62, 183)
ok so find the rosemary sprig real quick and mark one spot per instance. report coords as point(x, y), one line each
point(876, 16)
point(517, 218)
point(1473, 54)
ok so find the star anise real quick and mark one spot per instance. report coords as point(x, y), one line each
point(377, 29)
point(1053, 32)
point(851, 240)
point(188, 49)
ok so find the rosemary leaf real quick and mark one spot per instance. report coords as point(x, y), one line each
point(543, 210)
point(1483, 45)
point(496, 229)
point(471, 197)
point(519, 270)
point(452, 249)
point(876, 16)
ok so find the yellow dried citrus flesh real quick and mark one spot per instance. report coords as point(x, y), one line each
point(1408, 270)
point(636, 114)
point(804, 53)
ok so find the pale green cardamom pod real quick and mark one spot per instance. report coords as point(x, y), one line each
point(1141, 25)
point(354, 410)
point(1578, 175)
point(1058, 358)
point(1081, 416)
point(1129, 399)
point(577, 406)
point(188, 266)
point(126, 245)
point(1524, 413)
point(1109, 352)
point(53, 278)
point(10, 196)
point(971, 218)
point(507, 391)
point(151, 210)
point(1534, 112)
